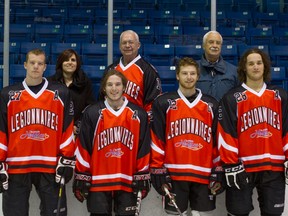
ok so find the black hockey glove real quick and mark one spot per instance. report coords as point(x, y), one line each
point(3, 177)
point(81, 186)
point(160, 177)
point(236, 175)
point(286, 171)
point(65, 168)
point(141, 182)
point(217, 182)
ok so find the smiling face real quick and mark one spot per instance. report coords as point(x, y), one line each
point(187, 78)
point(129, 46)
point(70, 66)
point(212, 46)
point(114, 89)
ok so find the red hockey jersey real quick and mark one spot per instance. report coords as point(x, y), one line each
point(113, 145)
point(35, 128)
point(182, 136)
point(143, 85)
point(253, 128)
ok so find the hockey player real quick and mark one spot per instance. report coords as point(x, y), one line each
point(143, 84)
point(36, 136)
point(113, 152)
point(253, 139)
point(182, 126)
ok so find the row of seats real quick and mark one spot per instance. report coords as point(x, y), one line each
point(90, 16)
point(95, 73)
point(157, 54)
point(151, 4)
point(160, 34)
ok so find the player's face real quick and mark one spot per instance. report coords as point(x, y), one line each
point(187, 77)
point(212, 46)
point(254, 68)
point(35, 66)
point(114, 89)
point(129, 46)
point(70, 65)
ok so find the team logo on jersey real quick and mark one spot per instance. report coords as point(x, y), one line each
point(14, 95)
point(172, 104)
point(189, 144)
point(261, 133)
point(240, 96)
point(114, 153)
point(34, 135)
point(56, 95)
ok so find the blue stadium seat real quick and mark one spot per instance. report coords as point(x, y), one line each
point(167, 75)
point(169, 34)
point(161, 17)
point(143, 4)
point(230, 53)
point(93, 3)
point(1, 32)
point(14, 50)
point(56, 15)
point(278, 73)
point(283, 19)
point(256, 36)
point(266, 19)
point(221, 19)
point(101, 32)
point(77, 33)
point(193, 51)
point(244, 47)
point(146, 33)
point(27, 14)
point(101, 16)
point(94, 54)
point(196, 4)
point(239, 19)
point(81, 16)
point(50, 70)
point(21, 32)
point(25, 47)
point(159, 54)
point(247, 5)
point(187, 18)
point(121, 4)
point(169, 4)
point(281, 35)
point(232, 35)
point(17, 73)
point(135, 17)
point(95, 73)
point(57, 48)
point(278, 54)
point(194, 35)
point(48, 33)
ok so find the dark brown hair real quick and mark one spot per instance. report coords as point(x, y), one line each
point(107, 75)
point(65, 56)
point(241, 70)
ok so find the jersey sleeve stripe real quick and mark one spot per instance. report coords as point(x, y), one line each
point(257, 157)
point(67, 142)
point(3, 147)
point(188, 166)
point(226, 145)
point(81, 160)
point(157, 149)
point(31, 158)
point(112, 176)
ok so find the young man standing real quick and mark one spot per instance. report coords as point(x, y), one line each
point(36, 136)
point(182, 131)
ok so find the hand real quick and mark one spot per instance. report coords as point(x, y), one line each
point(236, 175)
point(159, 177)
point(141, 182)
point(286, 171)
point(81, 186)
point(3, 177)
point(65, 168)
point(217, 182)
